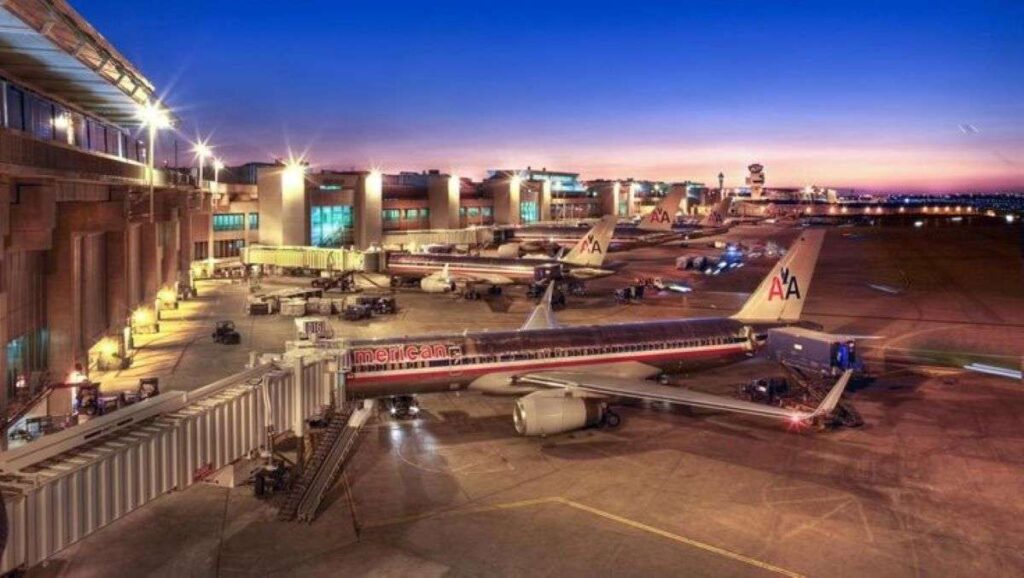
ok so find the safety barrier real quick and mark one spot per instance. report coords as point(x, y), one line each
point(61, 488)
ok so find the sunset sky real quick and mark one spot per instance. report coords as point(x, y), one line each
point(887, 95)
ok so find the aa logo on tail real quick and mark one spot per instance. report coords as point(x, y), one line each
point(590, 245)
point(784, 286)
point(659, 215)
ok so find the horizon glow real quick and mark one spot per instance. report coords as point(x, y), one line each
point(905, 96)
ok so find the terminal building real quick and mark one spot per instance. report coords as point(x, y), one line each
point(95, 224)
point(290, 204)
point(89, 233)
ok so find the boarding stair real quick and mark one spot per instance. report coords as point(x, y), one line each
point(323, 468)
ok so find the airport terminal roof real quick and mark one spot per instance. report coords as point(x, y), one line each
point(47, 45)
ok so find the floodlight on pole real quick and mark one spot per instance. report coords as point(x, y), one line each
point(154, 117)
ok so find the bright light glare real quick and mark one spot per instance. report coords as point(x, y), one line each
point(107, 347)
point(153, 115)
point(218, 165)
point(1010, 219)
point(201, 149)
point(167, 295)
point(143, 316)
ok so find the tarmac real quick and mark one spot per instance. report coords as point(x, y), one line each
point(930, 484)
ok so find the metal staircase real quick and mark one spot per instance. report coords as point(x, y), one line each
point(335, 446)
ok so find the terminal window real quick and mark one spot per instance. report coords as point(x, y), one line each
point(330, 225)
point(254, 221)
point(528, 212)
point(229, 221)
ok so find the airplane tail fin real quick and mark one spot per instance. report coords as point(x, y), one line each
point(664, 214)
point(590, 250)
point(716, 218)
point(781, 295)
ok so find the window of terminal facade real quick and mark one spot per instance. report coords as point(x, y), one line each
point(228, 248)
point(528, 212)
point(44, 119)
point(330, 225)
point(229, 221)
point(254, 221)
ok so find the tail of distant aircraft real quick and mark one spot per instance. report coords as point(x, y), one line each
point(781, 295)
point(716, 218)
point(664, 214)
point(590, 250)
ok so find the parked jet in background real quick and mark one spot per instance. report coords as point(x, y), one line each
point(654, 228)
point(444, 273)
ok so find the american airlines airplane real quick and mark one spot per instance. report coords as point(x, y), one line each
point(566, 376)
point(442, 273)
point(654, 228)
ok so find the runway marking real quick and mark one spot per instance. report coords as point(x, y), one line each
point(597, 512)
point(813, 523)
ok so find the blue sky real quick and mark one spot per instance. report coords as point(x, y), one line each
point(856, 94)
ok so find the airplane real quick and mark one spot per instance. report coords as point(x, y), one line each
point(444, 273)
point(716, 222)
point(566, 376)
point(654, 228)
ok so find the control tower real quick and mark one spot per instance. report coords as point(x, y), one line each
point(756, 181)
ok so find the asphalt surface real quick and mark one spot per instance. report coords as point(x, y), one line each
point(930, 484)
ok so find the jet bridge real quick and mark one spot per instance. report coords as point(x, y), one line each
point(60, 488)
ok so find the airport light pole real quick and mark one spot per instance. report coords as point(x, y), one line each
point(202, 150)
point(154, 117)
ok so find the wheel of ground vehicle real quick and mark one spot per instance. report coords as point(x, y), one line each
point(612, 419)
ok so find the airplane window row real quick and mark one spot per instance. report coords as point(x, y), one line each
point(549, 353)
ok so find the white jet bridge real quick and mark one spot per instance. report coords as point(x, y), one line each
point(62, 487)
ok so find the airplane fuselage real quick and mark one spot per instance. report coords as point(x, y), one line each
point(433, 363)
point(625, 236)
point(417, 265)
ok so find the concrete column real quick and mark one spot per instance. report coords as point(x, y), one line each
point(630, 198)
point(186, 246)
point(150, 259)
point(118, 300)
point(63, 301)
point(506, 201)
point(170, 238)
point(608, 195)
point(684, 205)
point(5, 230)
point(268, 183)
point(367, 205)
point(294, 221)
point(443, 199)
point(544, 201)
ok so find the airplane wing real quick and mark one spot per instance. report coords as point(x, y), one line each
point(641, 389)
point(994, 370)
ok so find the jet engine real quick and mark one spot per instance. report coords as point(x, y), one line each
point(509, 251)
point(437, 284)
point(554, 411)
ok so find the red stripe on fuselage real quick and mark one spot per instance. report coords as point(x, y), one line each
point(460, 372)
